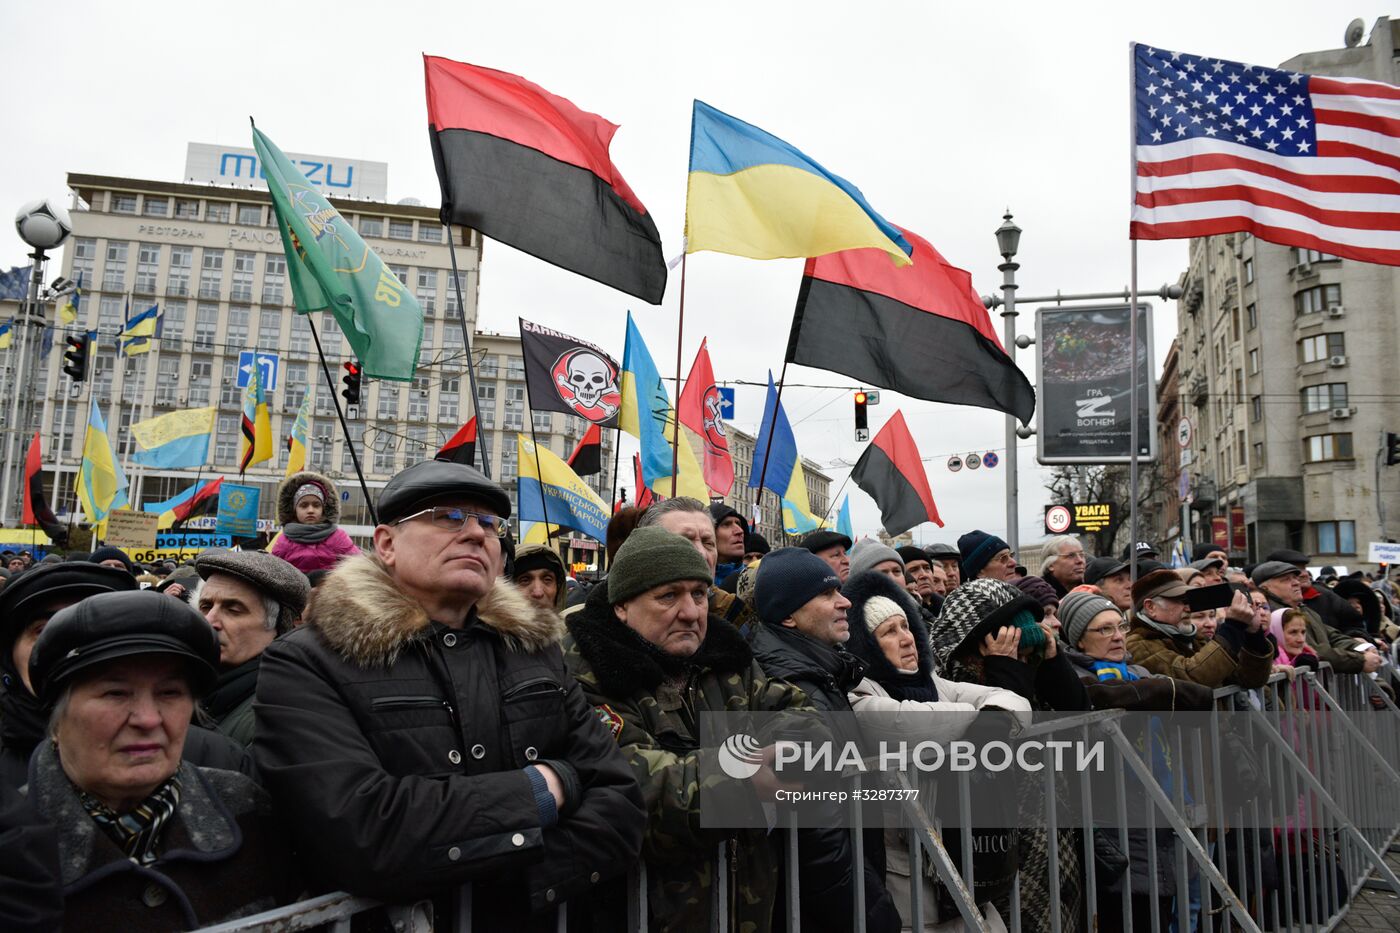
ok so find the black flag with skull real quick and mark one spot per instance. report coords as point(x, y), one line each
point(564, 373)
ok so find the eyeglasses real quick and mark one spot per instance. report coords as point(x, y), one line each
point(450, 518)
point(1107, 631)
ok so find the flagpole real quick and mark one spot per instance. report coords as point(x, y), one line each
point(676, 420)
point(78, 475)
point(768, 449)
point(539, 478)
point(197, 474)
point(832, 503)
point(339, 413)
point(1132, 321)
point(617, 460)
point(482, 440)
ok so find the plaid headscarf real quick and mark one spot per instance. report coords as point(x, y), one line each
point(137, 831)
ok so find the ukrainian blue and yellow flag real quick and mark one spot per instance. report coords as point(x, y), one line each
point(7, 335)
point(784, 474)
point(843, 519)
point(135, 338)
point(179, 439)
point(751, 194)
point(548, 491)
point(296, 444)
point(647, 415)
point(68, 311)
point(255, 426)
point(101, 483)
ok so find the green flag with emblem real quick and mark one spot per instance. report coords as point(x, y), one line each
point(330, 267)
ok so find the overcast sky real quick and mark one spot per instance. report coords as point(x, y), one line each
point(943, 114)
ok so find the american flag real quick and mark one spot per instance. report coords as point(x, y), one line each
point(1294, 159)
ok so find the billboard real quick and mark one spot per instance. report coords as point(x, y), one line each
point(336, 176)
point(1083, 386)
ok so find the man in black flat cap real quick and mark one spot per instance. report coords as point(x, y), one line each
point(26, 605)
point(249, 597)
point(832, 547)
point(420, 731)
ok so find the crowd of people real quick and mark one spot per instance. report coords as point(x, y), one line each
point(181, 746)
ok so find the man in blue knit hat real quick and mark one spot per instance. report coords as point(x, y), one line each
point(985, 555)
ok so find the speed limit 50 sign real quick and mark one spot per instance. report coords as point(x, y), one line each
point(1058, 519)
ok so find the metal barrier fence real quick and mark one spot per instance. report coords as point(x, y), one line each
point(1285, 849)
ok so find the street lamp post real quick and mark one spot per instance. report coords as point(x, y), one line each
point(1008, 239)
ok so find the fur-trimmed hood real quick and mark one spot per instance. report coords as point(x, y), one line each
point(624, 664)
point(367, 620)
point(287, 507)
point(859, 588)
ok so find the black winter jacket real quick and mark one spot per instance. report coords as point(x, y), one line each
point(396, 747)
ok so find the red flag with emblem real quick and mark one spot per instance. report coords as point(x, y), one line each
point(702, 416)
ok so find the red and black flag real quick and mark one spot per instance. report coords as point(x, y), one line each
point(36, 509)
point(644, 495)
point(461, 447)
point(918, 329)
point(587, 457)
point(532, 170)
point(892, 473)
point(564, 373)
point(205, 501)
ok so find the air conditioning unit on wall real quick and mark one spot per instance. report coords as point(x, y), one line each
point(1342, 412)
point(1336, 311)
point(1336, 361)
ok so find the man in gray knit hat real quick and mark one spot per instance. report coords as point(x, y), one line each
point(869, 554)
point(249, 597)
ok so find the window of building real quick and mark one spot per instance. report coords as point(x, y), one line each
point(1334, 537)
point(388, 409)
point(1240, 449)
point(300, 342)
point(356, 436)
point(177, 280)
point(274, 278)
point(226, 440)
point(542, 420)
point(244, 265)
point(427, 339)
point(1301, 256)
point(400, 229)
point(449, 399)
point(427, 289)
point(450, 299)
point(401, 273)
point(515, 367)
point(1254, 362)
point(110, 314)
point(84, 254)
point(1321, 347)
point(452, 338)
point(293, 380)
point(147, 264)
point(1325, 396)
point(230, 393)
point(1248, 271)
point(216, 212)
point(211, 274)
point(330, 335)
point(1239, 384)
point(172, 323)
point(1256, 408)
point(486, 393)
point(384, 451)
point(250, 215)
point(320, 447)
point(1319, 448)
point(1318, 298)
point(371, 226)
point(201, 378)
point(510, 464)
point(1251, 314)
point(131, 379)
point(236, 337)
point(186, 209)
point(1235, 321)
point(168, 380)
point(515, 397)
point(269, 329)
point(114, 269)
point(418, 398)
point(429, 233)
point(206, 326)
point(1258, 455)
point(156, 207)
point(487, 417)
point(123, 203)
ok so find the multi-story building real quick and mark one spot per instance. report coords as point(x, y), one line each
point(741, 497)
point(211, 256)
point(1165, 526)
point(1288, 372)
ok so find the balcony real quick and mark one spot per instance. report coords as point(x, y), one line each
point(1199, 390)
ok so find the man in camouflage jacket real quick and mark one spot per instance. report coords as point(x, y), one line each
point(650, 657)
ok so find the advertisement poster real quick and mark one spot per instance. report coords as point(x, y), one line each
point(1084, 388)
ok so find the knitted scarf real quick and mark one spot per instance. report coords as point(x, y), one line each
point(308, 534)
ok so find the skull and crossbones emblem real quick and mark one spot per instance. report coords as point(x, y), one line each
point(587, 383)
point(715, 436)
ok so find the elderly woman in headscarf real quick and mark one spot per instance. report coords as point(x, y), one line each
point(146, 841)
point(902, 699)
point(991, 633)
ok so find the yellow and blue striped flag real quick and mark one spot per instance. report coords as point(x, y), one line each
point(256, 424)
point(179, 439)
point(7, 335)
point(752, 194)
point(101, 483)
point(68, 311)
point(296, 444)
point(648, 416)
point(135, 338)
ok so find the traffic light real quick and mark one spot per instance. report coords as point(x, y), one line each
point(862, 400)
point(75, 358)
point(1392, 448)
point(351, 392)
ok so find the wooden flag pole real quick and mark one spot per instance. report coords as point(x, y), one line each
point(344, 427)
point(676, 419)
point(481, 438)
point(768, 449)
point(539, 478)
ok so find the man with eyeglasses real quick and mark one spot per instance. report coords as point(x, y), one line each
point(419, 730)
point(986, 555)
point(1164, 641)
